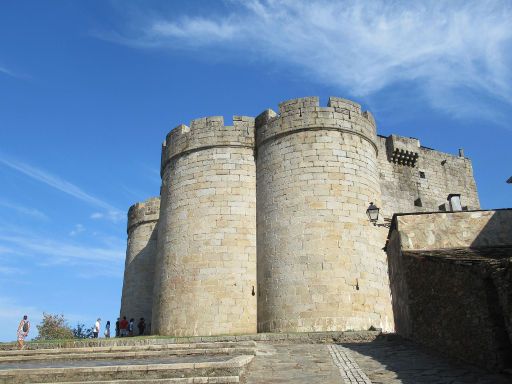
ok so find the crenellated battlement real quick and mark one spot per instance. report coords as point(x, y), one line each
point(143, 212)
point(207, 132)
point(299, 103)
point(306, 114)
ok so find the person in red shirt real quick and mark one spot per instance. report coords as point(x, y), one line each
point(123, 327)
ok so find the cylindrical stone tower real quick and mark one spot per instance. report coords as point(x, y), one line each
point(137, 298)
point(206, 263)
point(320, 261)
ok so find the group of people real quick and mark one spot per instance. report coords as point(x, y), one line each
point(126, 328)
point(97, 328)
point(123, 327)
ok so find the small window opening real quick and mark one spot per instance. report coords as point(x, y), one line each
point(454, 200)
point(418, 203)
point(422, 175)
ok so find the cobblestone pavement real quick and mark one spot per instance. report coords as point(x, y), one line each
point(394, 362)
point(349, 370)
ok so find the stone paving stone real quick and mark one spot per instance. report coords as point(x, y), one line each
point(402, 362)
point(50, 363)
point(378, 362)
point(292, 363)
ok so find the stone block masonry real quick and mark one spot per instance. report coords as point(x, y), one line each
point(418, 179)
point(320, 263)
point(206, 260)
point(262, 224)
point(137, 299)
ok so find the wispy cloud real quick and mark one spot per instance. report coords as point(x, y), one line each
point(60, 251)
point(12, 311)
point(8, 72)
point(5, 71)
point(5, 270)
point(451, 50)
point(35, 213)
point(77, 229)
point(62, 185)
point(114, 216)
point(4, 250)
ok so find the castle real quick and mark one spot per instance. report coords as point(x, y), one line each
point(262, 226)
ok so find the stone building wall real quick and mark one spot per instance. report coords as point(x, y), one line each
point(206, 264)
point(440, 230)
point(451, 283)
point(454, 305)
point(137, 297)
point(419, 179)
point(320, 262)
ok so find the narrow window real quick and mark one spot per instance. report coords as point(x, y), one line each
point(454, 200)
point(422, 175)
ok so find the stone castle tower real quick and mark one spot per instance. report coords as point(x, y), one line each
point(137, 299)
point(262, 225)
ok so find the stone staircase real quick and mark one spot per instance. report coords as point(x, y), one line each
point(180, 363)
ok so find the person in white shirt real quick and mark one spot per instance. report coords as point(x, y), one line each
point(97, 327)
point(23, 329)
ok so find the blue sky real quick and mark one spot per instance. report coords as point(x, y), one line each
point(88, 91)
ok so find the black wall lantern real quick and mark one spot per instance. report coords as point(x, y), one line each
point(373, 213)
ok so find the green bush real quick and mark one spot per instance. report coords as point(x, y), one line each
point(80, 332)
point(53, 327)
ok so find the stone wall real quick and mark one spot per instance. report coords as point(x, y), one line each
point(206, 264)
point(419, 179)
point(320, 263)
point(451, 283)
point(439, 230)
point(137, 297)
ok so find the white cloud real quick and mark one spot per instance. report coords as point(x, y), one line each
point(203, 30)
point(114, 216)
point(78, 228)
point(448, 49)
point(67, 187)
point(23, 210)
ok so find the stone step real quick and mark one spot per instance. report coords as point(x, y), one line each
point(129, 348)
point(298, 337)
point(176, 380)
point(128, 354)
point(112, 373)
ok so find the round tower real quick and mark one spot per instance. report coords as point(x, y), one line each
point(206, 263)
point(137, 297)
point(321, 266)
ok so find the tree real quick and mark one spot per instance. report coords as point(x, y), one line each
point(80, 332)
point(53, 327)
